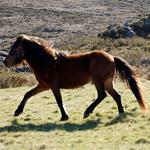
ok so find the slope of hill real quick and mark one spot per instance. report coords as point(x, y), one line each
point(63, 21)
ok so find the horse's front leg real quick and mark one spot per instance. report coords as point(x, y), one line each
point(56, 92)
point(29, 94)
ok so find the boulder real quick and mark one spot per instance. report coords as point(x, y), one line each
point(126, 24)
point(130, 33)
point(129, 29)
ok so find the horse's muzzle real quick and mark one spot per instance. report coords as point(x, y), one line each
point(8, 62)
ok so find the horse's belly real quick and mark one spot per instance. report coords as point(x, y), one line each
point(74, 82)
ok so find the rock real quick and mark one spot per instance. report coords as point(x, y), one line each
point(145, 61)
point(130, 33)
point(21, 69)
point(130, 29)
point(146, 24)
point(4, 54)
point(126, 24)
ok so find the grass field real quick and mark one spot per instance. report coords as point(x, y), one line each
point(39, 128)
point(73, 26)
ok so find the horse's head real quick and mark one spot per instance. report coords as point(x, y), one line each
point(16, 54)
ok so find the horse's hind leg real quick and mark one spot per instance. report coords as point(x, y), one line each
point(101, 96)
point(109, 88)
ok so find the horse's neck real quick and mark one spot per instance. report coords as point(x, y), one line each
point(41, 62)
point(32, 64)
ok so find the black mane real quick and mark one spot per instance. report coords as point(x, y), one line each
point(39, 49)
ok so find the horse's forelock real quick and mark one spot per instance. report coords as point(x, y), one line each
point(20, 38)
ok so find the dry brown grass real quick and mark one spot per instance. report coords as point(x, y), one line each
point(12, 79)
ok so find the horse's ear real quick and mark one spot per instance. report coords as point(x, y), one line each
point(21, 38)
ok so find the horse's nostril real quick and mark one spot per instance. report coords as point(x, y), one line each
point(7, 63)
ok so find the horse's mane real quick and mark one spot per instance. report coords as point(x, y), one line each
point(43, 51)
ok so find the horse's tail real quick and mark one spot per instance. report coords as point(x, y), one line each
point(127, 74)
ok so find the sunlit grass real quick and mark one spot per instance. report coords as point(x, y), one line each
point(38, 127)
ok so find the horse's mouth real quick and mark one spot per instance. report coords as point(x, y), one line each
point(8, 63)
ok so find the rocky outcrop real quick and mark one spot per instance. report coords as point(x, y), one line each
point(21, 69)
point(128, 29)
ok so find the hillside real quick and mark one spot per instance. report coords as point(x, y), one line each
point(63, 21)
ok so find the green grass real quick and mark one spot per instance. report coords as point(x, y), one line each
point(39, 128)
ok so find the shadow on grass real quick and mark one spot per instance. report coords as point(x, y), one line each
point(70, 127)
point(121, 118)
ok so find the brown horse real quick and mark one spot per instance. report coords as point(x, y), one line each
point(55, 70)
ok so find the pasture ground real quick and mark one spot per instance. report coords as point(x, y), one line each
point(39, 128)
point(68, 24)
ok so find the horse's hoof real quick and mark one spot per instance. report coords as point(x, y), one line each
point(85, 116)
point(64, 118)
point(16, 114)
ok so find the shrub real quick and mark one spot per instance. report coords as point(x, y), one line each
point(12, 79)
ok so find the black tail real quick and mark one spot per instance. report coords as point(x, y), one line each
point(127, 74)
